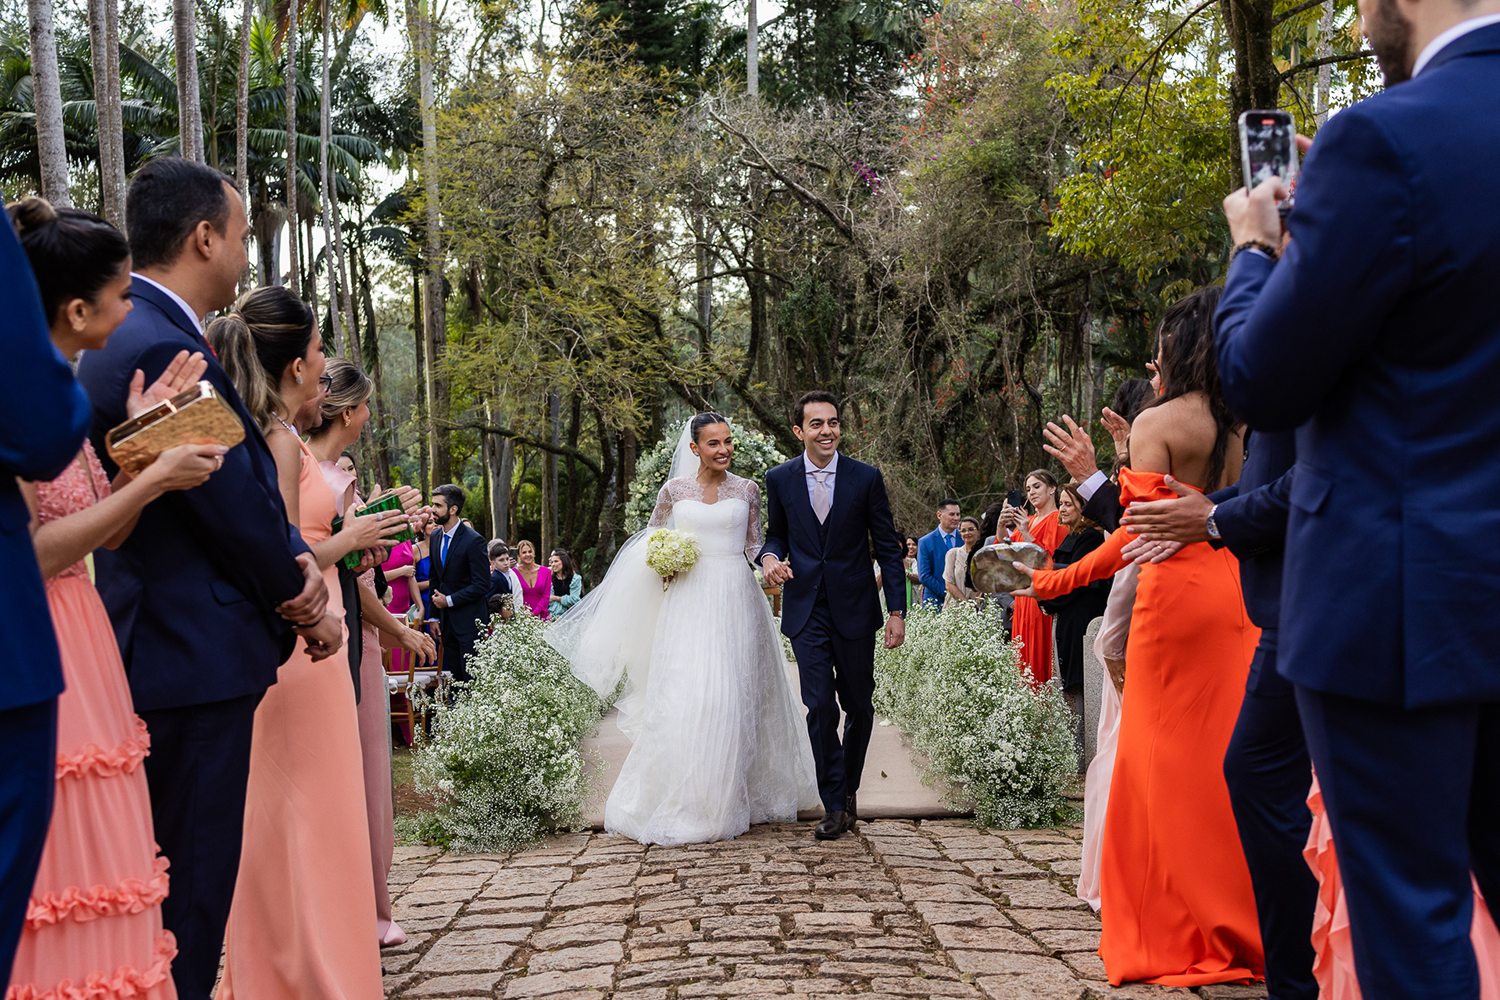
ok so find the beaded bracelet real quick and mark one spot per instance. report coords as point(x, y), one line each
point(1260, 245)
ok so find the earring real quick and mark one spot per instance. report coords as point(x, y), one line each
point(346, 420)
point(299, 379)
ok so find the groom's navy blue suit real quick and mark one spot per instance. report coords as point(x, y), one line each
point(1377, 338)
point(830, 608)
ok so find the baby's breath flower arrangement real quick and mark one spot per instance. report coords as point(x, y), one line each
point(670, 552)
point(754, 453)
point(504, 763)
point(955, 688)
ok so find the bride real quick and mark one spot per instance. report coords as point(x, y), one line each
point(720, 739)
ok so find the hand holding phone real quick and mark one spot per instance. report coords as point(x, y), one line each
point(1268, 148)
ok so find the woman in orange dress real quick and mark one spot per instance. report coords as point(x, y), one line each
point(1029, 622)
point(93, 926)
point(1176, 901)
point(303, 918)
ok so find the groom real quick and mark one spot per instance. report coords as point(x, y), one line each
point(825, 511)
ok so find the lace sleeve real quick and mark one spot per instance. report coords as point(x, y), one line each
point(753, 537)
point(663, 508)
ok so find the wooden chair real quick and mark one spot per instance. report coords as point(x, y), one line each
point(401, 682)
point(774, 593)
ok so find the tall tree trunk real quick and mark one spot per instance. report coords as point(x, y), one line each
point(291, 148)
point(1250, 24)
point(335, 310)
point(46, 90)
point(568, 531)
point(422, 377)
point(435, 321)
point(189, 105)
point(104, 52)
point(242, 107)
point(374, 368)
point(1325, 72)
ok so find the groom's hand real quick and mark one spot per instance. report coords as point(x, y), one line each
point(895, 631)
point(775, 571)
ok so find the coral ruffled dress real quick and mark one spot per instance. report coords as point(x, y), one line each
point(93, 928)
point(303, 920)
point(1029, 622)
point(1333, 966)
point(1175, 893)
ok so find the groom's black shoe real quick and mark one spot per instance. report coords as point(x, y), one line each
point(851, 813)
point(832, 825)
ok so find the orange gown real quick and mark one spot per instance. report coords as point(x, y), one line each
point(1029, 622)
point(1175, 892)
point(302, 924)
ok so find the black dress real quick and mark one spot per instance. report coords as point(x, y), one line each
point(1074, 610)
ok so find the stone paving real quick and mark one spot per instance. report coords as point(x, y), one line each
point(931, 910)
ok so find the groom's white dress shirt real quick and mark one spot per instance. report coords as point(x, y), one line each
point(812, 478)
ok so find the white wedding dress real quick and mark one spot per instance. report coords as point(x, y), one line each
point(720, 738)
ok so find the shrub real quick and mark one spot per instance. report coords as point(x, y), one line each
point(955, 688)
point(504, 763)
point(754, 453)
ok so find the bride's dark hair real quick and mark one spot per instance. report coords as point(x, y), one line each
point(703, 420)
point(1189, 363)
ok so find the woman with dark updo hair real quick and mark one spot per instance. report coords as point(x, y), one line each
point(102, 838)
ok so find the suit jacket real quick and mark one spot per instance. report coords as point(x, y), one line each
point(932, 554)
point(1104, 507)
point(1377, 338)
point(43, 418)
point(193, 591)
point(835, 561)
point(464, 578)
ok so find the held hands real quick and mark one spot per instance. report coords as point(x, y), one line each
point(777, 572)
point(323, 639)
point(182, 374)
point(185, 466)
point(306, 609)
point(1073, 448)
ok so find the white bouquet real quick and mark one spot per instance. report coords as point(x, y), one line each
point(670, 552)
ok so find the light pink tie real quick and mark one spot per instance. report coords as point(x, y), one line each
point(821, 499)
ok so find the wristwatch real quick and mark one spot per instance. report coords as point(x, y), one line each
point(1213, 529)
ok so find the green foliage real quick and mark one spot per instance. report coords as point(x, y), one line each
point(754, 454)
point(504, 763)
point(956, 689)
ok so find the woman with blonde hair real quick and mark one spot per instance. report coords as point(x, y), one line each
point(304, 902)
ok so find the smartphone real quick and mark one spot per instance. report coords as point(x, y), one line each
point(1268, 148)
point(1016, 498)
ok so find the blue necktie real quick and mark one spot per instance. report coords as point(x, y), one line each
point(952, 540)
point(444, 556)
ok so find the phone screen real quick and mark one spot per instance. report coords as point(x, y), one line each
point(1267, 146)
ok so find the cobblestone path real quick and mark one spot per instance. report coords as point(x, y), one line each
point(935, 910)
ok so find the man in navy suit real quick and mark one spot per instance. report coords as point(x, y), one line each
point(460, 579)
point(1266, 765)
point(825, 510)
point(932, 551)
point(1376, 338)
point(44, 416)
point(207, 590)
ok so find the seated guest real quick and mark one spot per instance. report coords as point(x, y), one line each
point(567, 585)
point(1073, 611)
point(101, 828)
point(932, 549)
point(956, 565)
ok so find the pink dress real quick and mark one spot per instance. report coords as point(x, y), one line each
point(303, 919)
point(539, 594)
point(374, 740)
point(400, 592)
point(1333, 966)
point(93, 928)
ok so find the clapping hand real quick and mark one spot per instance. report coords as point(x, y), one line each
point(1119, 430)
point(180, 375)
point(1073, 448)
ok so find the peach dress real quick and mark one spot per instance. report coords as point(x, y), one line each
point(93, 928)
point(1333, 966)
point(303, 919)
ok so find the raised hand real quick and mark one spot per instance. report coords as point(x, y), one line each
point(182, 374)
point(1118, 427)
point(1073, 448)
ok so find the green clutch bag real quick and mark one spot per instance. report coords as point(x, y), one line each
point(390, 502)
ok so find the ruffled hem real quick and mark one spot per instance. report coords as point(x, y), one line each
point(92, 759)
point(127, 982)
point(131, 895)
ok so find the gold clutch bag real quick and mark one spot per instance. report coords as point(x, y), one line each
point(198, 416)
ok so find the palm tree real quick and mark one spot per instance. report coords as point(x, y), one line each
point(46, 91)
point(104, 51)
point(189, 102)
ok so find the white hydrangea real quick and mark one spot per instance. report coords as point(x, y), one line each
point(670, 552)
point(955, 688)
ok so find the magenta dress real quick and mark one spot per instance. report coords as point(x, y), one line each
point(93, 927)
point(538, 595)
point(400, 592)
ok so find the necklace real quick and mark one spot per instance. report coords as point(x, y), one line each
point(287, 426)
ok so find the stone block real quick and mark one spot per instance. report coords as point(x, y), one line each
point(930, 877)
point(1036, 895)
point(1031, 988)
point(650, 953)
point(1069, 940)
point(477, 984)
point(1072, 869)
point(733, 988)
point(861, 970)
point(576, 934)
point(953, 936)
point(1052, 852)
point(691, 971)
point(413, 942)
point(1035, 920)
point(568, 959)
point(877, 954)
point(1005, 963)
point(588, 893)
point(916, 986)
point(485, 904)
point(1013, 867)
point(445, 958)
point(820, 987)
point(1087, 964)
point(450, 886)
point(942, 894)
point(394, 983)
point(505, 918)
point(549, 983)
point(1137, 991)
point(743, 927)
point(472, 936)
point(608, 914)
point(1233, 991)
point(832, 923)
point(397, 963)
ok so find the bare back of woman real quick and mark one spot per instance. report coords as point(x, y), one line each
point(1178, 438)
